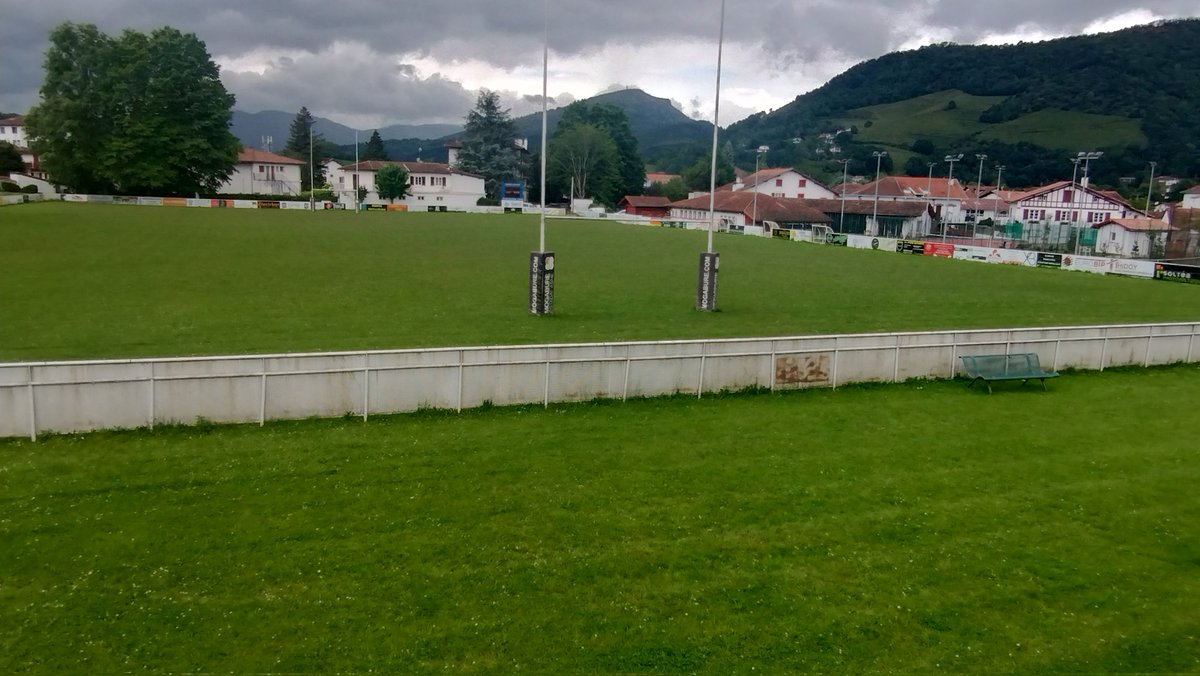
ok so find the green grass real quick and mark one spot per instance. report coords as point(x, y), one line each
point(85, 281)
point(912, 528)
point(900, 124)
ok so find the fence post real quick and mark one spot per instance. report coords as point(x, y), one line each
point(896, 364)
point(953, 355)
point(151, 402)
point(1057, 344)
point(262, 402)
point(366, 390)
point(625, 386)
point(1149, 341)
point(546, 386)
point(835, 362)
point(1191, 341)
point(460, 381)
point(1104, 350)
point(771, 366)
point(32, 409)
point(700, 385)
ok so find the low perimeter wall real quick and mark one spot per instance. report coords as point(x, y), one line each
point(90, 395)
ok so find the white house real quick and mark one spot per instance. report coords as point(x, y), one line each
point(259, 172)
point(12, 130)
point(1131, 237)
point(1191, 198)
point(782, 182)
point(1050, 212)
point(432, 186)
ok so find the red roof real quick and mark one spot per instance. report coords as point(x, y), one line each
point(867, 207)
point(1136, 224)
point(645, 201)
point(253, 155)
point(657, 177)
point(768, 208)
point(915, 186)
point(1194, 190)
point(13, 120)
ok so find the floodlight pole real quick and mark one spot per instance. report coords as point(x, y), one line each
point(355, 186)
point(541, 262)
point(754, 210)
point(949, 182)
point(999, 176)
point(929, 188)
point(312, 189)
point(842, 216)
point(710, 261)
point(978, 198)
point(878, 155)
point(1150, 190)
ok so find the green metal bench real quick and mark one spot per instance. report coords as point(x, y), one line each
point(996, 367)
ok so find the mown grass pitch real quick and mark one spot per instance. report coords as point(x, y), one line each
point(86, 281)
point(911, 528)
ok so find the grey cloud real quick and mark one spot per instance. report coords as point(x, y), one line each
point(790, 34)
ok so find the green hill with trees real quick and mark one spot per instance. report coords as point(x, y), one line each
point(1134, 94)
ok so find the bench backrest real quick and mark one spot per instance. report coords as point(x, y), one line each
point(1002, 364)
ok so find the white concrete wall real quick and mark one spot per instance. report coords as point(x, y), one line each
point(247, 179)
point(80, 396)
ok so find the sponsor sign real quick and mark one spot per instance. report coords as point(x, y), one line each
point(244, 204)
point(541, 282)
point(910, 246)
point(100, 199)
point(71, 197)
point(267, 204)
point(1173, 272)
point(1130, 268)
point(193, 202)
point(1092, 264)
point(150, 201)
point(971, 253)
point(125, 200)
point(1012, 257)
point(939, 249)
point(706, 285)
point(174, 201)
point(404, 207)
point(1049, 260)
point(374, 207)
point(801, 370)
point(836, 239)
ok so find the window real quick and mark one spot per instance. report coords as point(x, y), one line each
point(262, 168)
point(1067, 195)
point(418, 180)
point(779, 183)
point(803, 183)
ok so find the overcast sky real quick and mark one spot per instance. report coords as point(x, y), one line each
point(369, 63)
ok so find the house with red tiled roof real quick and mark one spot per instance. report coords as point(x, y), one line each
point(1132, 237)
point(658, 178)
point(858, 217)
point(259, 172)
point(433, 186)
point(943, 197)
point(738, 211)
point(781, 182)
point(12, 130)
point(646, 205)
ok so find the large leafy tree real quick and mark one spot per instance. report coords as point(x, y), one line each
point(699, 175)
point(489, 144)
point(10, 158)
point(297, 147)
point(140, 113)
point(391, 182)
point(374, 149)
point(612, 120)
point(584, 157)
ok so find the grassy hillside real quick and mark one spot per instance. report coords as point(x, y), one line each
point(1135, 93)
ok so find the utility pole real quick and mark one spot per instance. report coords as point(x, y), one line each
point(710, 261)
point(949, 182)
point(845, 162)
point(754, 210)
point(878, 155)
point(978, 198)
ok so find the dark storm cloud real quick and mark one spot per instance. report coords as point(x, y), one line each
point(509, 34)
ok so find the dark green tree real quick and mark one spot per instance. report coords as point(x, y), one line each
point(585, 157)
point(614, 122)
point(489, 144)
point(374, 150)
point(300, 135)
point(140, 113)
point(699, 175)
point(391, 182)
point(10, 158)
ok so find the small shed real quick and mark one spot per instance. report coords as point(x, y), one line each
point(646, 205)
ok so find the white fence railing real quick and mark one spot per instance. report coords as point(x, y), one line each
point(74, 396)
